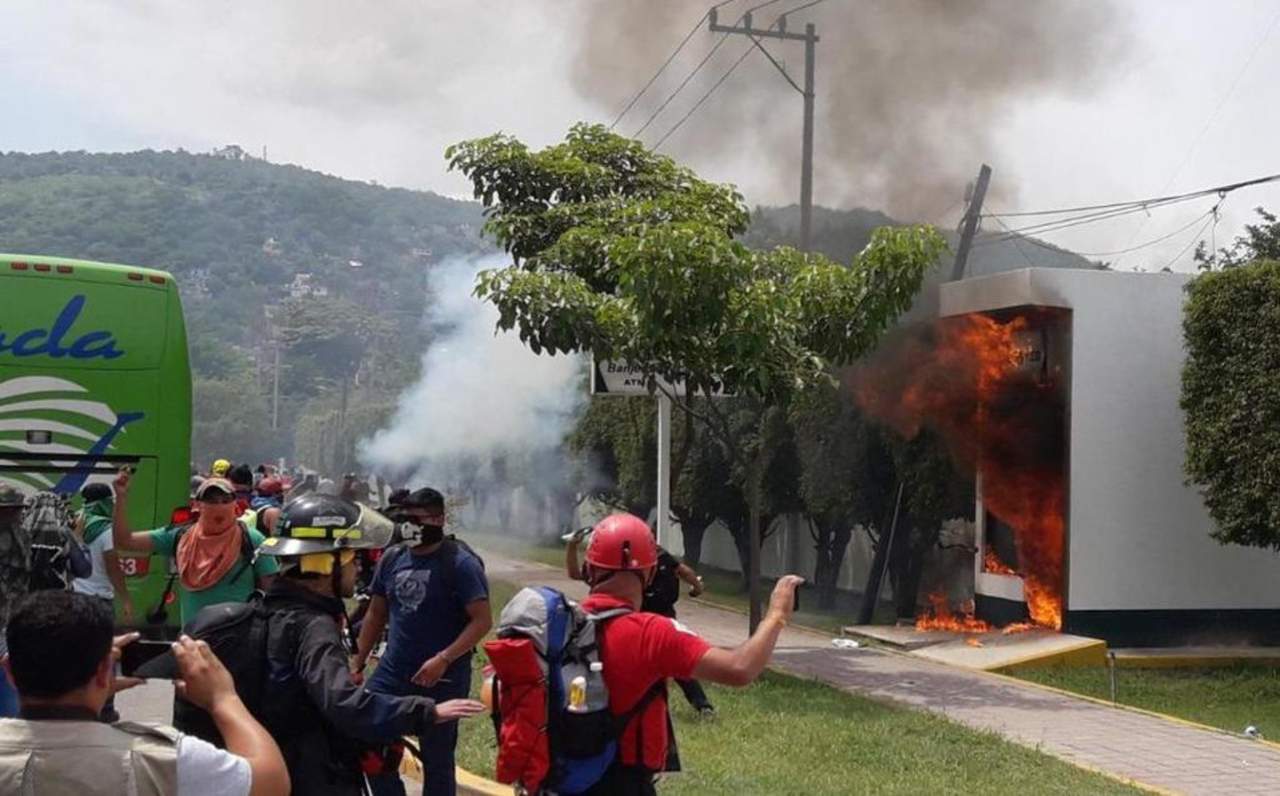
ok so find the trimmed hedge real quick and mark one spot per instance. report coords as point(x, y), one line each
point(1231, 397)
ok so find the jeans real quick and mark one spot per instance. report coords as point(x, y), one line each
point(8, 693)
point(438, 743)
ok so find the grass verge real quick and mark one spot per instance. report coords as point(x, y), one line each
point(1229, 698)
point(723, 588)
point(784, 735)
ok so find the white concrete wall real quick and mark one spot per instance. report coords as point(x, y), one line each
point(1138, 536)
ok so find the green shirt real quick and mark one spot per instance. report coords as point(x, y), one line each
point(227, 590)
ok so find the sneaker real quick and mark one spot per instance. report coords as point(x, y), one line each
point(706, 713)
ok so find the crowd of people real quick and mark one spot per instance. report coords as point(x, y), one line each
point(293, 694)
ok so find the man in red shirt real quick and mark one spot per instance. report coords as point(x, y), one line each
point(640, 650)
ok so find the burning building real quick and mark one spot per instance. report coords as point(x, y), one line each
point(1068, 415)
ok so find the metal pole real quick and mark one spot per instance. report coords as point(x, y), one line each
point(275, 390)
point(806, 162)
point(969, 227)
point(753, 562)
point(665, 536)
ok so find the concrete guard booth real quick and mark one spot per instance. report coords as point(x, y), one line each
point(1139, 566)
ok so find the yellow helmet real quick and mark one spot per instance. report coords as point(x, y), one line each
point(220, 468)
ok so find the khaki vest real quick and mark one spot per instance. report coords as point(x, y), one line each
point(80, 758)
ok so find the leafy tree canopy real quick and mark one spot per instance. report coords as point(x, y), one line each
point(1231, 397)
point(623, 252)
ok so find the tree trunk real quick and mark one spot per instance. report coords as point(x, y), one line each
point(831, 546)
point(693, 531)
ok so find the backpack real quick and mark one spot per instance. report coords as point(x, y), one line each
point(237, 634)
point(160, 614)
point(546, 745)
point(56, 557)
point(663, 592)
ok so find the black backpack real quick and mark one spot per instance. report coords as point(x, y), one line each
point(56, 557)
point(237, 634)
point(664, 590)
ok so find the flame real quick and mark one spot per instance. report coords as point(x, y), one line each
point(991, 563)
point(967, 379)
point(939, 616)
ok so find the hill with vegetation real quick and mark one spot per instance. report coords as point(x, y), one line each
point(336, 270)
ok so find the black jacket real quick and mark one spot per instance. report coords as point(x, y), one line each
point(321, 720)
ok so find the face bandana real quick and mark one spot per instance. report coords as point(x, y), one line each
point(428, 534)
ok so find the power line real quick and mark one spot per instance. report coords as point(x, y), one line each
point(735, 65)
point(667, 62)
point(689, 77)
point(1213, 115)
point(663, 68)
point(1140, 202)
point(1213, 219)
point(1107, 212)
point(704, 97)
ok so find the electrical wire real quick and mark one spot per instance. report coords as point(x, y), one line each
point(1213, 219)
point(664, 66)
point(1222, 102)
point(704, 97)
point(726, 75)
point(689, 77)
point(1139, 202)
point(1117, 210)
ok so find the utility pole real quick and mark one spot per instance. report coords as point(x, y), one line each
point(275, 388)
point(810, 38)
point(778, 30)
point(969, 224)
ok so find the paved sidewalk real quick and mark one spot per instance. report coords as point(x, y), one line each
point(1149, 750)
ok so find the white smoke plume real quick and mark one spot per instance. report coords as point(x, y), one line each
point(482, 393)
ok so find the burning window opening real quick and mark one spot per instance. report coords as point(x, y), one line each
point(994, 387)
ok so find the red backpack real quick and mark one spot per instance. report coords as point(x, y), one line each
point(556, 733)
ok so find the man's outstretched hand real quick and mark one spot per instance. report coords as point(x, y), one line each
point(456, 709)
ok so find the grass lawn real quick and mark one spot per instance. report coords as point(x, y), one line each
point(1230, 698)
point(789, 736)
point(723, 588)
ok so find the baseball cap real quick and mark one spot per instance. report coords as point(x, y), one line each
point(214, 484)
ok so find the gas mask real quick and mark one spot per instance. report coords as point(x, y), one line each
point(415, 534)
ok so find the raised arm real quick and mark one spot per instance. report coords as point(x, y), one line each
point(122, 538)
point(572, 567)
point(743, 664)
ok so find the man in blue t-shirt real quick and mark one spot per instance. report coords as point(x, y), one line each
point(437, 598)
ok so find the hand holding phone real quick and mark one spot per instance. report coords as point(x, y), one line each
point(133, 655)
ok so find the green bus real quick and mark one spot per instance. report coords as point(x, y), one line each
point(94, 375)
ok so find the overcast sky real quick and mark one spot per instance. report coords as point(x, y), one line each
point(376, 91)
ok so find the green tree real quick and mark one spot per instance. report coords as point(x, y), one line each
point(847, 477)
point(231, 419)
point(1259, 242)
point(1231, 397)
point(623, 252)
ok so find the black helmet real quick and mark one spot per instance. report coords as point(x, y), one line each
point(317, 523)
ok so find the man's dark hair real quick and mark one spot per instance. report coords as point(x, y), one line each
point(241, 475)
point(56, 641)
point(425, 498)
point(95, 492)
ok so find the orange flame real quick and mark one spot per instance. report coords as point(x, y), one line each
point(991, 563)
point(939, 616)
point(966, 379)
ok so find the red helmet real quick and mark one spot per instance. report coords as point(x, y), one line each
point(270, 486)
point(622, 541)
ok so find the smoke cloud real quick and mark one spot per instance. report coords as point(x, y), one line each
point(909, 92)
point(481, 394)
